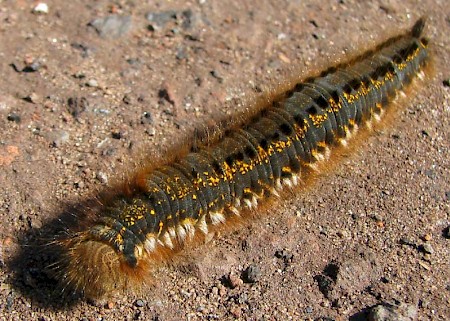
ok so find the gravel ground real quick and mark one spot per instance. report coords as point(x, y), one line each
point(89, 87)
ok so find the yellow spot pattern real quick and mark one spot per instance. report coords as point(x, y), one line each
point(229, 170)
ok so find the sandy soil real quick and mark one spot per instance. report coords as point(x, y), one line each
point(80, 105)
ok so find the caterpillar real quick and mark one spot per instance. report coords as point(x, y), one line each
point(117, 242)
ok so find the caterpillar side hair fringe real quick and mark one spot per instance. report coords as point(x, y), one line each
point(117, 242)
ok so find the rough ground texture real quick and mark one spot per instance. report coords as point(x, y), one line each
point(82, 98)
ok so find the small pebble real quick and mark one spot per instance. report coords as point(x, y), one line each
point(79, 184)
point(281, 36)
point(139, 303)
point(126, 99)
point(216, 75)
point(447, 232)
point(427, 248)
point(92, 83)
point(215, 290)
point(427, 237)
point(146, 118)
point(325, 284)
point(181, 53)
point(117, 134)
point(426, 134)
point(285, 255)
point(167, 93)
point(14, 117)
point(425, 265)
point(234, 281)
point(222, 290)
point(284, 58)
point(188, 19)
point(406, 241)
point(185, 293)
point(79, 75)
point(59, 138)
point(242, 298)
point(252, 273)
point(134, 61)
point(446, 82)
point(84, 51)
point(41, 7)
point(342, 233)
point(377, 218)
point(33, 98)
point(102, 177)
point(77, 105)
point(389, 312)
point(9, 301)
point(151, 131)
point(33, 66)
point(112, 26)
point(160, 19)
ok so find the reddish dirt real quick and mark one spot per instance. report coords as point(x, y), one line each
point(76, 108)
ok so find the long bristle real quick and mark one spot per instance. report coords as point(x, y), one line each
point(157, 212)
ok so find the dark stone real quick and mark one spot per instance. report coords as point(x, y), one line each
point(391, 312)
point(188, 19)
point(14, 117)
point(251, 274)
point(341, 279)
point(285, 255)
point(112, 26)
point(77, 105)
point(426, 248)
point(446, 232)
point(325, 284)
point(216, 75)
point(160, 19)
point(84, 50)
point(126, 99)
point(117, 135)
point(34, 66)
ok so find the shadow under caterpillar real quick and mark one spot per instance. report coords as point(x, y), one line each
point(120, 238)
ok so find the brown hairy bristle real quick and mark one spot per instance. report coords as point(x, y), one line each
point(279, 144)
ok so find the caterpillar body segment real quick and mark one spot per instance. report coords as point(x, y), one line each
point(173, 204)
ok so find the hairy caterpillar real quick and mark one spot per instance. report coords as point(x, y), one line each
point(118, 241)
